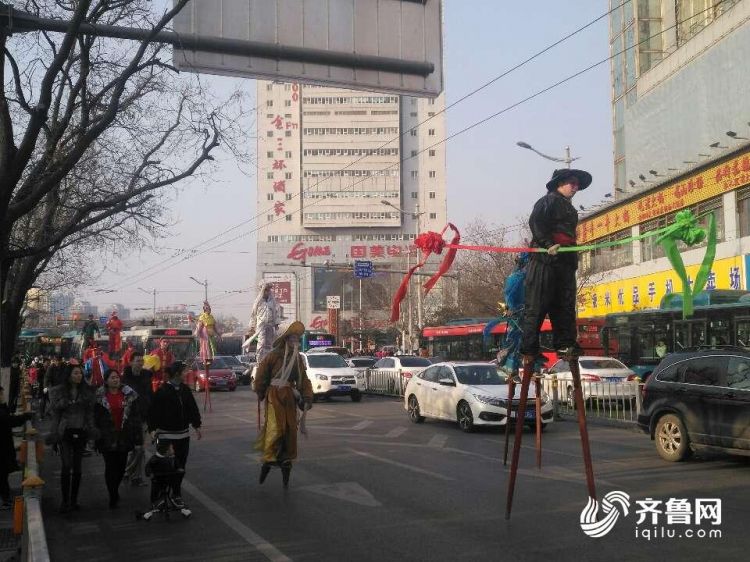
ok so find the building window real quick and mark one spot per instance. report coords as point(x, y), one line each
point(430, 114)
point(269, 134)
point(269, 175)
point(269, 218)
point(288, 175)
point(413, 153)
point(432, 152)
point(288, 154)
point(650, 250)
point(413, 114)
point(287, 103)
point(414, 101)
point(269, 103)
point(431, 101)
point(287, 87)
point(433, 215)
point(289, 196)
point(694, 15)
point(414, 174)
point(413, 132)
point(287, 133)
point(432, 173)
point(269, 196)
point(414, 195)
point(289, 218)
point(269, 87)
point(605, 259)
point(269, 153)
point(431, 132)
point(743, 211)
point(650, 43)
point(432, 195)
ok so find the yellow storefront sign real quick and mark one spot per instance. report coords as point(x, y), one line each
point(644, 292)
point(699, 187)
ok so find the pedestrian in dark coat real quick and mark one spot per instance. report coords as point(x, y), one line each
point(550, 285)
point(172, 412)
point(139, 379)
point(118, 422)
point(8, 462)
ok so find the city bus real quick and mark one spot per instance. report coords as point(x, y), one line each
point(46, 342)
point(640, 339)
point(312, 339)
point(464, 342)
point(182, 342)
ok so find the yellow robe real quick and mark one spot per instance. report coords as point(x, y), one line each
point(278, 438)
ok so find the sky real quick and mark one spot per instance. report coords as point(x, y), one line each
point(489, 177)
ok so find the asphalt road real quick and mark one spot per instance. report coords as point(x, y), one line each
point(369, 485)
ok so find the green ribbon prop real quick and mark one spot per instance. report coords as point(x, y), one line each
point(686, 229)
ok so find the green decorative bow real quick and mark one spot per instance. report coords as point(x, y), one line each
point(686, 229)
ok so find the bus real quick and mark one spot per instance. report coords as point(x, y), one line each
point(640, 339)
point(312, 339)
point(46, 342)
point(182, 342)
point(464, 342)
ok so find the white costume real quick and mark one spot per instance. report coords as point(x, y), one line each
point(264, 320)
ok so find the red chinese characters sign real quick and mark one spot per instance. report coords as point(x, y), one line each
point(282, 291)
point(299, 252)
point(712, 182)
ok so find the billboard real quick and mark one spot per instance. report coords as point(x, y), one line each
point(384, 45)
point(284, 288)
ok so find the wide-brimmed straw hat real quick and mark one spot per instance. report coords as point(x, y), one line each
point(296, 328)
point(584, 178)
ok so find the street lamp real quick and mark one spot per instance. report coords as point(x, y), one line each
point(567, 160)
point(154, 309)
point(204, 284)
point(416, 214)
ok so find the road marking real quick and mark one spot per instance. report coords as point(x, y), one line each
point(348, 491)
point(247, 534)
point(396, 432)
point(246, 420)
point(438, 441)
point(363, 424)
point(402, 465)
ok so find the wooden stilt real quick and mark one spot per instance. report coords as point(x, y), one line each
point(538, 416)
point(582, 428)
point(528, 367)
point(509, 414)
point(207, 396)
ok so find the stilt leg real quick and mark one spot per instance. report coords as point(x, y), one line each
point(580, 408)
point(509, 414)
point(538, 390)
point(528, 366)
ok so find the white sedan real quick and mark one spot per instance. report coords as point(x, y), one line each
point(602, 378)
point(471, 394)
point(331, 375)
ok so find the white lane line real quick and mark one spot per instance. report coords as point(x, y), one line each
point(249, 536)
point(363, 424)
point(395, 432)
point(246, 420)
point(402, 465)
point(438, 441)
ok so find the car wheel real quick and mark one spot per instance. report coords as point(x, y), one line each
point(465, 417)
point(356, 396)
point(413, 408)
point(672, 441)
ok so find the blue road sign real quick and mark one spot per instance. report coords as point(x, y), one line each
point(362, 269)
point(102, 320)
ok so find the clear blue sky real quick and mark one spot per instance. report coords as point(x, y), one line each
point(486, 170)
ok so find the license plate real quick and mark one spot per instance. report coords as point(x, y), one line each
point(530, 414)
point(344, 388)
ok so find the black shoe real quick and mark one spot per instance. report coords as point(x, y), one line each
point(177, 502)
point(264, 470)
point(286, 470)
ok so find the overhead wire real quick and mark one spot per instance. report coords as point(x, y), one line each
point(397, 138)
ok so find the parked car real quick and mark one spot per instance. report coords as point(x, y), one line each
point(220, 376)
point(246, 359)
point(238, 368)
point(698, 400)
point(602, 378)
point(471, 394)
point(331, 375)
point(344, 352)
point(361, 364)
point(397, 371)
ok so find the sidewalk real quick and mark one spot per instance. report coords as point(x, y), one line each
point(10, 543)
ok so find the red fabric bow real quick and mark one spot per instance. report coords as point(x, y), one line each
point(429, 243)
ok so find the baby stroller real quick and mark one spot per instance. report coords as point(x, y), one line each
point(165, 474)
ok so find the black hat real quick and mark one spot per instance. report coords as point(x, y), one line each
point(584, 178)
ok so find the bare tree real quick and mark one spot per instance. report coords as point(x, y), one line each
point(92, 131)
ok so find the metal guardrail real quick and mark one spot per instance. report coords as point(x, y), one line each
point(612, 400)
point(385, 381)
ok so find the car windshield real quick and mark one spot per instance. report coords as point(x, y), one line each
point(217, 363)
point(326, 361)
point(363, 362)
point(478, 375)
point(414, 362)
point(601, 364)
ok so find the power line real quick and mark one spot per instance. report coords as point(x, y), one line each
point(465, 129)
point(429, 118)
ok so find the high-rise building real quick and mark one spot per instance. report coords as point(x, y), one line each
point(344, 175)
point(682, 143)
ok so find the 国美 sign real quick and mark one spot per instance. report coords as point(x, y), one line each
point(699, 187)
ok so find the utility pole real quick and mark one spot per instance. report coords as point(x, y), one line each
point(153, 310)
point(205, 286)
